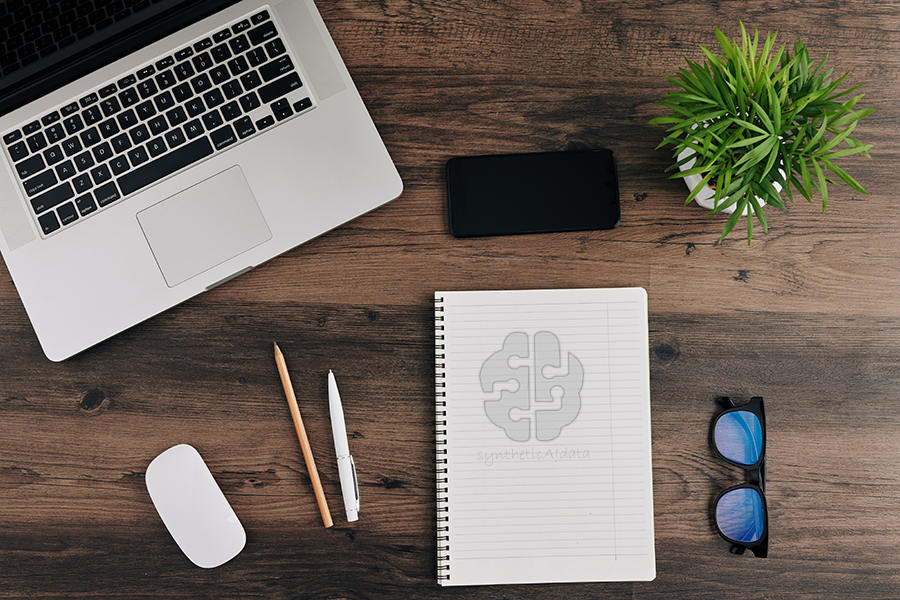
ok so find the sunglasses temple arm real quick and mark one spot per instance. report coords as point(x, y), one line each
point(725, 402)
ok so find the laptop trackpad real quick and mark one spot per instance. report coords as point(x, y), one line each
point(203, 226)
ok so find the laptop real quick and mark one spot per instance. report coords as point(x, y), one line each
point(154, 149)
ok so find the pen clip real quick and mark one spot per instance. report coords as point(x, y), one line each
point(355, 483)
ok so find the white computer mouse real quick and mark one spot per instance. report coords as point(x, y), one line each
point(193, 507)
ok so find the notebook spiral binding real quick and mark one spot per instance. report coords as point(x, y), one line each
point(440, 423)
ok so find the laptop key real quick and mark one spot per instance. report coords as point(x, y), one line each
point(90, 136)
point(239, 44)
point(220, 53)
point(212, 120)
point(73, 124)
point(65, 170)
point(50, 119)
point(263, 33)
point(193, 128)
point(232, 89)
point(158, 124)
point(223, 137)
point(67, 213)
point(86, 204)
point(121, 143)
point(103, 152)
point(119, 165)
point(184, 54)
point(88, 100)
point(275, 48)
point(72, 146)
point(138, 156)
point(49, 223)
point(127, 119)
point(107, 194)
point(40, 183)
point(127, 81)
point(147, 88)
point(244, 127)
point(139, 134)
point(145, 110)
point(101, 174)
point(82, 183)
point(92, 115)
point(282, 109)
point(129, 97)
point(37, 142)
point(276, 68)
point(175, 138)
point(156, 147)
point(11, 137)
point(184, 71)
point(165, 63)
point(231, 111)
point(176, 160)
point(166, 79)
point(109, 128)
point(251, 80)
point(110, 106)
point(202, 62)
point(31, 166)
point(280, 87)
point(257, 56)
point(18, 151)
point(54, 197)
point(55, 133)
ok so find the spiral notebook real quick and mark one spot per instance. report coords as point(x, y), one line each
point(543, 437)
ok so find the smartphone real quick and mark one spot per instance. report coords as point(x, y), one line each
point(532, 193)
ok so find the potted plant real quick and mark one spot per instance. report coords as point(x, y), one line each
point(753, 121)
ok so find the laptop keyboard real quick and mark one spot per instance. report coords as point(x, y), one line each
point(201, 100)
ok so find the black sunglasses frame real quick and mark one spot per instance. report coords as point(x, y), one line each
point(756, 474)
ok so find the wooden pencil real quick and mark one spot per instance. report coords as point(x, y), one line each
point(301, 434)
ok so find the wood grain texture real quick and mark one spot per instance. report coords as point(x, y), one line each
point(807, 316)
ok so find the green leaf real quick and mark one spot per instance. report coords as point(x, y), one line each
point(849, 151)
point(761, 112)
point(732, 221)
point(823, 185)
point(756, 155)
point(846, 178)
point(698, 188)
point(818, 137)
point(759, 213)
point(807, 181)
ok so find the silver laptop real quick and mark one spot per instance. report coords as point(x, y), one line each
point(152, 150)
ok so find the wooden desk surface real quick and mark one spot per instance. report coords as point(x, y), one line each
point(807, 317)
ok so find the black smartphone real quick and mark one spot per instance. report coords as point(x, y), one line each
point(532, 193)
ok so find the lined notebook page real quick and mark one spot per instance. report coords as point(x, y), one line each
point(544, 437)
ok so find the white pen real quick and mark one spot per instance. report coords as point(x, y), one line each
point(346, 468)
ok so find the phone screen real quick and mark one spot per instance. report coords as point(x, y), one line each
point(532, 193)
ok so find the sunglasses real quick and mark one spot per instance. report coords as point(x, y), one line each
point(738, 436)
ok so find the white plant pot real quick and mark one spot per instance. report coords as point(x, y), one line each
point(707, 196)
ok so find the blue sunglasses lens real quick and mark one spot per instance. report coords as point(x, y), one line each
point(739, 514)
point(739, 437)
